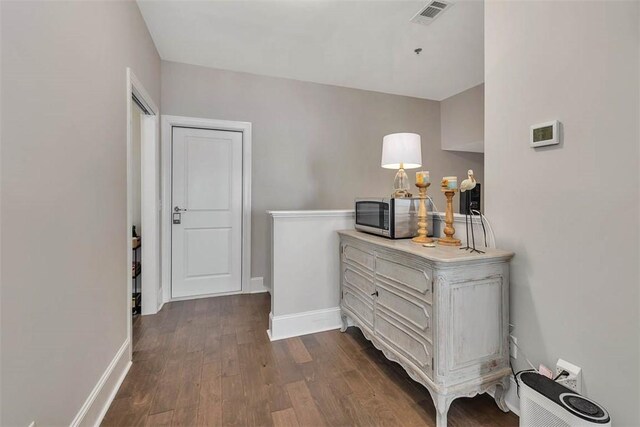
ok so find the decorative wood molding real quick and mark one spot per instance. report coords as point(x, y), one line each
point(309, 322)
point(340, 213)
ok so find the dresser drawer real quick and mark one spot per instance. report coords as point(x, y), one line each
point(358, 304)
point(358, 279)
point(406, 275)
point(410, 311)
point(356, 256)
point(405, 342)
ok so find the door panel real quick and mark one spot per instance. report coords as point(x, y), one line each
point(207, 188)
point(207, 251)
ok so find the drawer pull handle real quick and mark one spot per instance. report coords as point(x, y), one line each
point(375, 293)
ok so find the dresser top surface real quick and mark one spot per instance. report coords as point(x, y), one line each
point(443, 254)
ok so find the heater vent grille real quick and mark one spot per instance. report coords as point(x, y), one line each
point(431, 11)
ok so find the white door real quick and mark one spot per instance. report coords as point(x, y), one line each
point(206, 238)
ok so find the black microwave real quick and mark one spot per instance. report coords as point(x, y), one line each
point(388, 217)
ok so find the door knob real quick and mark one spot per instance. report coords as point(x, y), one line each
point(178, 209)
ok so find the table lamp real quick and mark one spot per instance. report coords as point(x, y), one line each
point(401, 151)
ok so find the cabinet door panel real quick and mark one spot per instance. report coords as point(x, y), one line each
point(475, 331)
point(415, 349)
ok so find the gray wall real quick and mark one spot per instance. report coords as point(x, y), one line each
point(314, 146)
point(570, 213)
point(63, 309)
point(462, 120)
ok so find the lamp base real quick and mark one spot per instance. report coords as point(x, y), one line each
point(401, 194)
point(401, 185)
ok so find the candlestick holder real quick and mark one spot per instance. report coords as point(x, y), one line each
point(449, 230)
point(422, 214)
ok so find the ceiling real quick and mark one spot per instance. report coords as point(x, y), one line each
point(358, 44)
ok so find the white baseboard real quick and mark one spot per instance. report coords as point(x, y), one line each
point(95, 407)
point(308, 322)
point(256, 285)
point(512, 400)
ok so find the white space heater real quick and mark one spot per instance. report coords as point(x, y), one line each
point(545, 403)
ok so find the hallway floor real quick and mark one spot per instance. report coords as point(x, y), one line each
point(210, 362)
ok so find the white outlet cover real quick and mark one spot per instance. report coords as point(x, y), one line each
point(574, 381)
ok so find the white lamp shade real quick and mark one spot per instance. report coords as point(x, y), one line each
point(401, 149)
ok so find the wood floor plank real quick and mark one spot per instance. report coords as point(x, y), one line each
point(298, 350)
point(259, 414)
point(209, 413)
point(190, 379)
point(229, 355)
point(160, 419)
point(356, 412)
point(285, 418)
point(288, 370)
point(211, 382)
point(234, 413)
point(328, 403)
point(306, 410)
point(232, 388)
point(168, 387)
point(209, 362)
point(394, 398)
point(185, 417)
point(256, 390)
point(278, 396)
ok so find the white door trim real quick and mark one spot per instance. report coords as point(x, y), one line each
point(134, 86)
point(168, 122)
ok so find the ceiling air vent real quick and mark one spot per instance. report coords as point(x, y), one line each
point(431, 11)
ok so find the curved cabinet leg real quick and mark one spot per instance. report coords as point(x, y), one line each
point(501, 393)
point(442, 404)
point(345, 322)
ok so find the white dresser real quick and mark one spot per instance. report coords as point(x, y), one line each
point(441, 313)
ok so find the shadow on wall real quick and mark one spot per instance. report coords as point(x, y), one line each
point(525, 298)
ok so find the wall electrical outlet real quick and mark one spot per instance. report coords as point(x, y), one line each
point(513, 350)
point(574, 379)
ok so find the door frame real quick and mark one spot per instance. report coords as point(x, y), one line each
point(168, 123)
point(149, 165)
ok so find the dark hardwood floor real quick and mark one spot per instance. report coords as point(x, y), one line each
point(210, 362)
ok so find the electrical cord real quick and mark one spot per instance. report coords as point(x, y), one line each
point(483, 220)
point(523, 353)
point(516, 374)
point(435, 208)
point(564, 373)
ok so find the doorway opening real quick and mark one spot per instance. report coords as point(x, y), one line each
point(143, 283)
point(138, 110)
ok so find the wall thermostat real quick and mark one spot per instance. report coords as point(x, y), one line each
point(544, 134)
